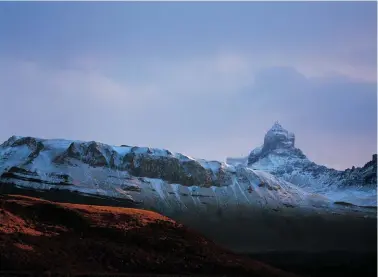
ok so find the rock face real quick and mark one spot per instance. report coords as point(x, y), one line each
point(369, 171)
point(279, 156)
point(278, 137)
point(278, 141)
point(146, 162)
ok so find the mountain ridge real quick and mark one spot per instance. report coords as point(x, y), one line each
point(204, 195)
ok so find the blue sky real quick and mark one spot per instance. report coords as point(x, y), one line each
point(202, 78)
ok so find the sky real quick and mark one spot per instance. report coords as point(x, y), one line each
point(206, 79)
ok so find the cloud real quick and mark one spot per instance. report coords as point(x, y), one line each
point(222, 73)
point(203, 85)
point(75, 85)
point(334, 115)
point(71, 103)
point(208, 108)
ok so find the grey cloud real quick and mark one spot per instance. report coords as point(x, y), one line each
point(367, 56)
point(338, 108)
point(334, 111)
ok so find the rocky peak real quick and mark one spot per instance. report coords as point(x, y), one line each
point(278, 141)
point(278, 137)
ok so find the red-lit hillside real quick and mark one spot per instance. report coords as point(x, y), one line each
point(38, 235)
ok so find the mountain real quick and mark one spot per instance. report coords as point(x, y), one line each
point(40, 235)
point(279, 156)
point(100, 169)
point(243, 209)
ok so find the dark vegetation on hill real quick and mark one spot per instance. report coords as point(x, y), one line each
point(39, 235)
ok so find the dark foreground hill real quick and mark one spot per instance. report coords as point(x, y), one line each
point(38, 235)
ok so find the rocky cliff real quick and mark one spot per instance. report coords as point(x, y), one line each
point(279, 156)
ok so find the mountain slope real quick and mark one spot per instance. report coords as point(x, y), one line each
point(39, 235)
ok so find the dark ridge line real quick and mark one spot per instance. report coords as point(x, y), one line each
point(342, 203)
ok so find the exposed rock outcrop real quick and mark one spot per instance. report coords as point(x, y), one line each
point(279, 156)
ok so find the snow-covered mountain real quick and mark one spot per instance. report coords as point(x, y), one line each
point(279, 156)
point(137, 173)
point(241, 208)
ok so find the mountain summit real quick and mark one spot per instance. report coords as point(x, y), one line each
point(278, 141)
point(278, 137)
point(279, 157)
